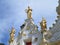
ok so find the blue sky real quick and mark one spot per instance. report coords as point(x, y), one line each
point(12, 13)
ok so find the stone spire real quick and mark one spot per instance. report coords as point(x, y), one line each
point(29, 12)
point(12, 34)
point(58, 9)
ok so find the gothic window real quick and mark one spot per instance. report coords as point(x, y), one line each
point(22, 26)
point(36, 39)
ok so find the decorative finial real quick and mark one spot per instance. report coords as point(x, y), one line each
point(43, 24)
point(12, 35)
point(29, 12)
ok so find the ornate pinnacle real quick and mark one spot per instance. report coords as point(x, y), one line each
point(12, 34)
point(43, 24)
point(29, 12)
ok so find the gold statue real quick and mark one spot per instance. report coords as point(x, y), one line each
point(12, 34)
point(43, 24)
point(29, 12)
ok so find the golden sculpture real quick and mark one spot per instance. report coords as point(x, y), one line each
point(29, 12)
point(43, 24)
point(12, 34)
point(43, 31)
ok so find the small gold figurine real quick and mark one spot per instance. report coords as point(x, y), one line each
point(29, 12)
point(12, 34)
point(43, 24)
